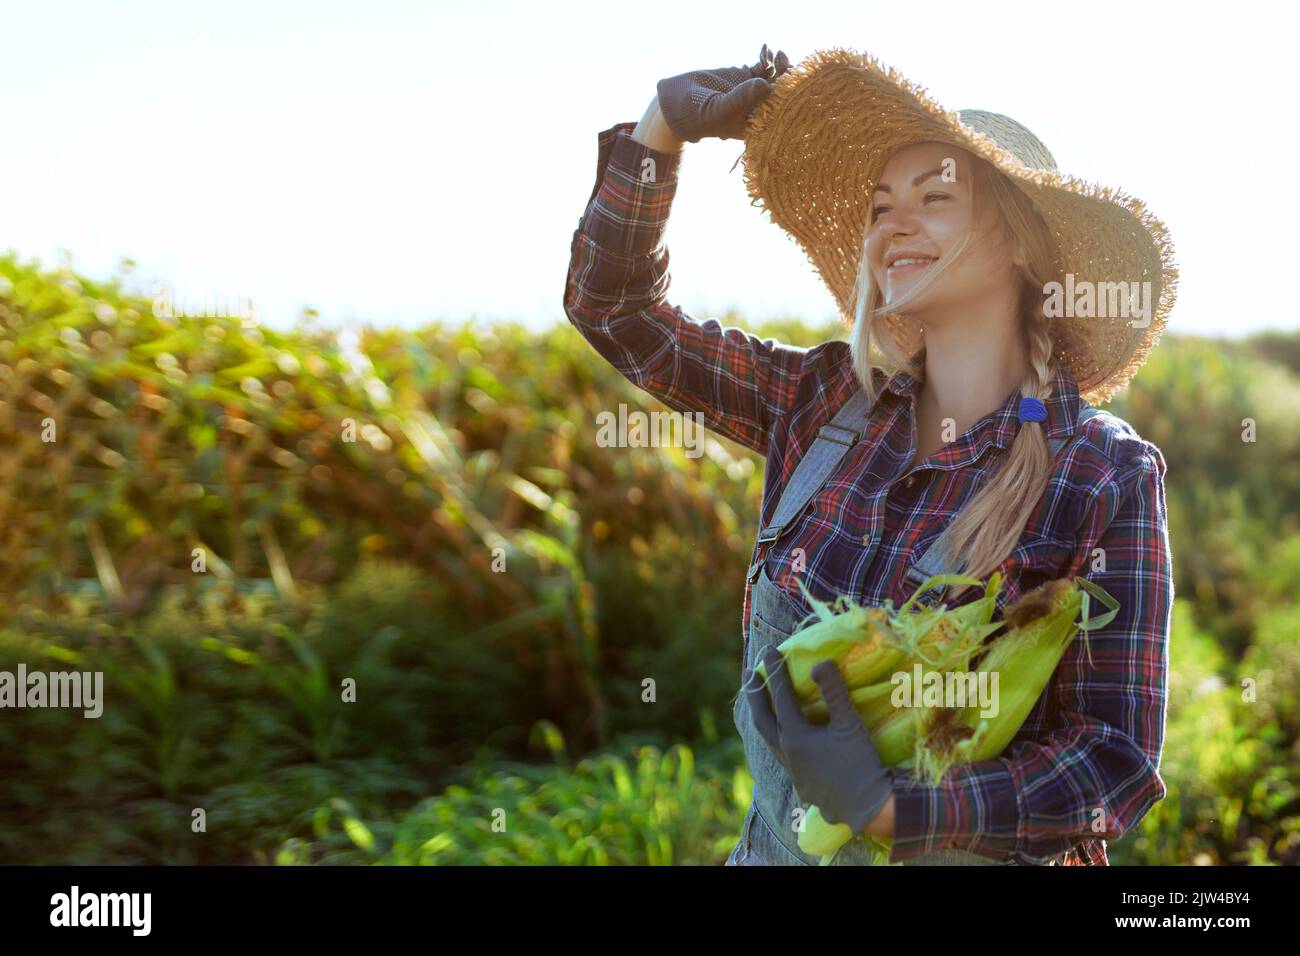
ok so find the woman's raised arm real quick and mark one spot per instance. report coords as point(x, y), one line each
point(617, 282)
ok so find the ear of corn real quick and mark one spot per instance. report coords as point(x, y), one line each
point(872, 702)
point(896, 736)
point(867, 644)
point(860, 640)
point(1043, 624)
point(819, 838)
point(823, 839)
point(1039, 628)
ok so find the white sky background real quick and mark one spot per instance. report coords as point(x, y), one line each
point(396, 162)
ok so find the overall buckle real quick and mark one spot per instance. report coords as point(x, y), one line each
point(839, 435)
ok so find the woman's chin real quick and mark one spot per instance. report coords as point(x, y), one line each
point(897, 290)
point(899, 302)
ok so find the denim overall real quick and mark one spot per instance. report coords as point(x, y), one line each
point(768, 837)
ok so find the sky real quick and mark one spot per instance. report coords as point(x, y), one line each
point(395, 163)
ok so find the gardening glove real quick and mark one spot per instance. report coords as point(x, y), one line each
point(718, 102)
point(835, 766)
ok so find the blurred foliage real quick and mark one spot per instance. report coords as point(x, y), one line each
point(230, 522)
point(1228, 499)
point(650, 807)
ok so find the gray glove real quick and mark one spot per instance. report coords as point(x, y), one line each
point(835, 766)
point(718, 102)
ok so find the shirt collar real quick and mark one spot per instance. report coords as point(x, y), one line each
point(1000, 426)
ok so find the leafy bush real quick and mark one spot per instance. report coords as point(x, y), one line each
point(235, 520)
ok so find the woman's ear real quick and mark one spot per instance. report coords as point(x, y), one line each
point(1018, 257)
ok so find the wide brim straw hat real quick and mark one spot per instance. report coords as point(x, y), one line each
point(816, 145)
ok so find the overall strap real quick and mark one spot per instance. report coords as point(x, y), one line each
point(936, 560)
point(833, 442)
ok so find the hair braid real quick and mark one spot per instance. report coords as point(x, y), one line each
point(1041, 347)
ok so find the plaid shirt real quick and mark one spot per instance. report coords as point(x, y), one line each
point(1084, 767)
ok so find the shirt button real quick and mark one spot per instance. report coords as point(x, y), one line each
point(866, 540)
point(911, 480)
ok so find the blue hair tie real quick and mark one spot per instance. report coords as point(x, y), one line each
point(1032, 410)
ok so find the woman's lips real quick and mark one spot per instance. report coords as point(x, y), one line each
point(909, 267)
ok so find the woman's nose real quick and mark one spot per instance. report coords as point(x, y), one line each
point(902, 221)
point(895, 222)
point(897, 230)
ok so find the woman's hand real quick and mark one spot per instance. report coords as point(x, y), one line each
point(835, 766)
point(718, 102)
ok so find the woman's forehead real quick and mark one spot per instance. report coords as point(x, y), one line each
point(917, 158)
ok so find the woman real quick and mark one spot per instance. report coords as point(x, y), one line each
point(948, 239)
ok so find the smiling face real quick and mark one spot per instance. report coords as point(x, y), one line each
point(923, 205)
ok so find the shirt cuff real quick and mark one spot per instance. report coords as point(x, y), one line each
point(973, 808)
point(632, 196)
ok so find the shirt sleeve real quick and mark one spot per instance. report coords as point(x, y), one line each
point(1096, 774)
point(615, 296)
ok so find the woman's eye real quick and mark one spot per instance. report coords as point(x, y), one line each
point(880, 210)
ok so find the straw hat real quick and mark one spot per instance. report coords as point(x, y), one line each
point(816, 145)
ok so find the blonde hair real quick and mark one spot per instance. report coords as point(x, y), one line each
point(987, 529)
